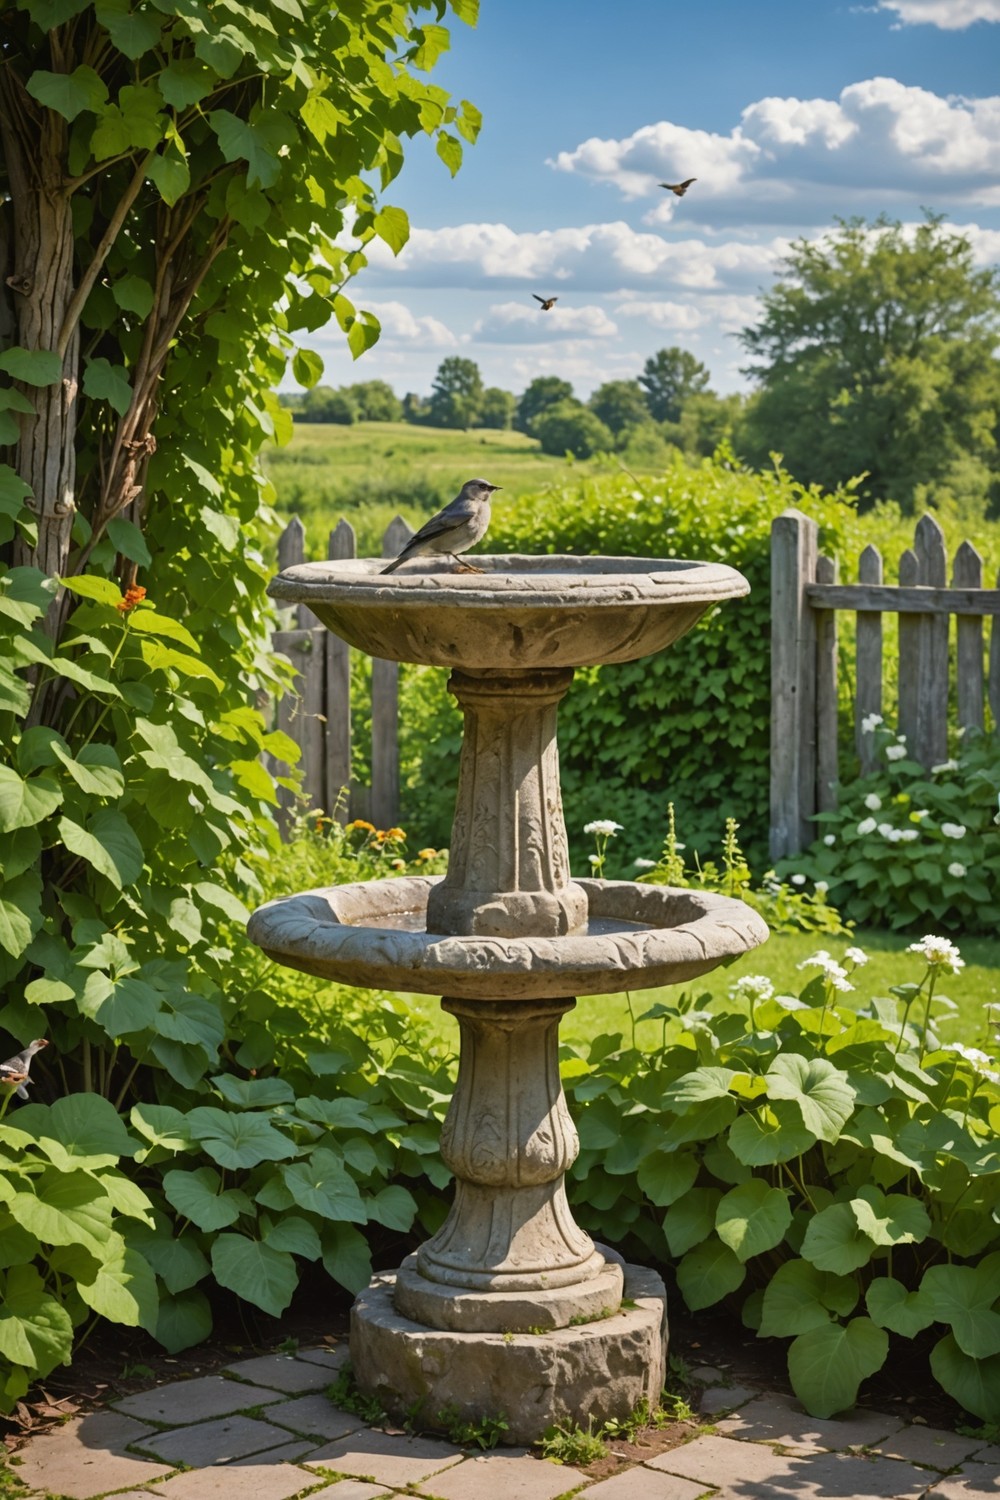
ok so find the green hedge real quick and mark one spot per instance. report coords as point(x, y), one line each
point(689, 725)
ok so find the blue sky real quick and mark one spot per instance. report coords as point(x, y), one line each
point(788, 112)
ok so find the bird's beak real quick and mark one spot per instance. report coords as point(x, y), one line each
point(495, 487)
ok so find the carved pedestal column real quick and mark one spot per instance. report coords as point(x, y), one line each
point(508, 868)
point(509, 1255)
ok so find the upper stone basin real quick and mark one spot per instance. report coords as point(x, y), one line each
point(519, 612)
point(374, 934)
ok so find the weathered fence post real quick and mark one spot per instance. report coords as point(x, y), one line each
point(291, 552)
point(385, 711)
point(793, 678)
point(868, 662)
point(342, 545)
point(994, 684)
point(908, 707)
point(967, 573)
point(932, 691)
point(300, 716)
point(827, 765)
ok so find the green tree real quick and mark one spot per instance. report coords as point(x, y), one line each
point(497, 409)
point(706, 420)
point(324, 404)
point(164, 240)
point(568, 427)
point(544, 390)
point(875, 354)
point(669, 378)
point(619, 404)
point(376, 401)
point(457, 393)
point(414, 407)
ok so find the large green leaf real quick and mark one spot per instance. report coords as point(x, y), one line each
point(238, 1140)
point(963, 1297)
point(799, 1297)
point(87, 1125)
point(394, 1207)
point(890, 1220)
point(161, 1125)
point(35, 1330)
point(769, 1134)
point(66, 1208)
point(322, 1186)
point(133, 31)
point(253, 1093)
point(822, 1093)
point(199, 1196)
point(708, 1273)
point(343, 1113)
point(346, 1257)
point(183, 1320)
point(68, 93)
point(974, 1383)
point(20, 912)
point(696, 1086)
point(26, 802)
point(827, 1365)
point(176, 1258)
point(255, 1272)
point(834, 1242)
point(753, 1218)
point(31, 366)
point(691, 1218)
point(296, 1235)
point(124, 1289)
point(892, 1306)
point(665, 1175)
point(107, 382)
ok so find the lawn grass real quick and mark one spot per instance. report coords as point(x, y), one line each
point(889, 964)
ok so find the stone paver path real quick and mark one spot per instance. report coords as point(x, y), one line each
point(264, 1430)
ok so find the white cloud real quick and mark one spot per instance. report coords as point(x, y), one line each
point(949, 15)
point(400, 325)
point(880, 145)
point(728, 313)
point(517, 323)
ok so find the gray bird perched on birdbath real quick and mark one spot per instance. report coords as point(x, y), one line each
point(14, 1072)
point(455, 529)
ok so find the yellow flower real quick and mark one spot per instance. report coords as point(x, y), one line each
point(360, 823)
point(395, 833)
point(426, 853)
point(397, 864)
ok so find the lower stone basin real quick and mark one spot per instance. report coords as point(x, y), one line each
point(637, 937)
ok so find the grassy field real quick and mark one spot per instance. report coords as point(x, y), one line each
point(889, 964)
point(371, 471)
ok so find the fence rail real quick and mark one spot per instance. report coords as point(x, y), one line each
point(805, 601)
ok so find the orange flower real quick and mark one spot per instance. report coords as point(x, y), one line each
point(130, 599)
point(395, 833)
point(426, 853)
point(360, 823)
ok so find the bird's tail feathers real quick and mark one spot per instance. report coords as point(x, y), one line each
point(393, 565)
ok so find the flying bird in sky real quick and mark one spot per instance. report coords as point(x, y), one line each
point(547, 302)
point(680, 188)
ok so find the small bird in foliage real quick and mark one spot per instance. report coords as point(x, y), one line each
point(14, 1072)
point(680, 188)
point(455, 529)
point(547, 302)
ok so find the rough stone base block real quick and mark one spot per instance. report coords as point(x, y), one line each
point(591, 1372)
point(436, 1305)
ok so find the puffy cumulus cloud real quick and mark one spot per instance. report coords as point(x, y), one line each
point(881, 143)
point(727, 313)
point(515, 323)
point(590, 258)
point(949, 15)
point(401, 326)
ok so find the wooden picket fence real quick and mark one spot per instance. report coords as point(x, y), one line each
point(318, 715)
point(806, 597)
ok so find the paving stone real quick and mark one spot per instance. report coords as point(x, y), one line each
point(282, 1372)
point(771, 1419)
point(710, 1374)
point(973, 1482)
point(88, 1457)
point(218, 1442)
point(928, 1445)
point(347, 1489)
point(641, 1484)
point(722, 1398)
point(386, 1459)
point(494, 1474)
point(185, 1401)
point(260, 1480)
point(332, 1357)
point(315, 1414)
point(741, 1469)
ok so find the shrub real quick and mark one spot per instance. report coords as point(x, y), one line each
point(830, 1171)
point(906, 844)
point(568, 427)
point(690, 724)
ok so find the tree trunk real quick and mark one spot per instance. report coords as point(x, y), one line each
point(41, 281)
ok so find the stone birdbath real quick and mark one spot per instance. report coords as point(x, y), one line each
point(510, 1308)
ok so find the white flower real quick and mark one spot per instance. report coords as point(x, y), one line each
point(873, 802)
point(921, 812)
point(871, 722)
point(886, 830)
point(829, 839)
point(938, 952)
point(956, 869)
point(604, 827)
point(953, 830)
point(867, 825)
point(895, 752)
point(946, 765)
point(907, 835)
point(798, 880)
point(822, 886)
point(835, 974)
point(858, 956)
point(645, 864)
point(971, 1054)
point(754, 988)
point(595, 859)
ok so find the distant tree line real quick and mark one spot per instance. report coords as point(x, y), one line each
point(874, 359)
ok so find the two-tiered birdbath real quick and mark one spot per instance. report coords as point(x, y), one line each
point(510, 1308)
